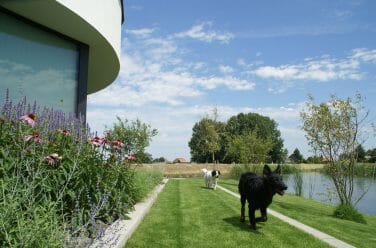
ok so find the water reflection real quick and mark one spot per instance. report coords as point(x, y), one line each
point(320, 187)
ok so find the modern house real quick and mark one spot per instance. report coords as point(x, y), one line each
point(58, 51)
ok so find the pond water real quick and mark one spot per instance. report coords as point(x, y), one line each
point(320, 187)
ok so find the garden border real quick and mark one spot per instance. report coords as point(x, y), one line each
point(117, 235)
point(332, 241)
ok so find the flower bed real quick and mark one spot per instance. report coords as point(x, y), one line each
point(55, 176)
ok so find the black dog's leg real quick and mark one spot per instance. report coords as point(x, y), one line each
point(263, 217)
point(251, 214)
point(242, 202)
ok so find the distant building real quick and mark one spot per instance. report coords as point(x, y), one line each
point(180, 161)
point(56, 52)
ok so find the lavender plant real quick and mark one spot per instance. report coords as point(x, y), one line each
point(54, 175)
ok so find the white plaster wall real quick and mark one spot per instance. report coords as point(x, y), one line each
point(96, 23)
point(103, 15)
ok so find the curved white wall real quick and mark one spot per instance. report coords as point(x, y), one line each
point(96, 23)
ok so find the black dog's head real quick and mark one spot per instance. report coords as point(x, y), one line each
point(274, 179)
point(215, 173)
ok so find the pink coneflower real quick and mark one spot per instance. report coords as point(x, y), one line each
point(29, 118)
point(53, 159)
point(35, 136)
point(117, 144)
point(97, 141)
point(65, 132)
point(129, 157)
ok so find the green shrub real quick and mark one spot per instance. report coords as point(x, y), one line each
point(56, 176)
point(348, 212)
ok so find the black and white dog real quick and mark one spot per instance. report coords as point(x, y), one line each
point(211, 178)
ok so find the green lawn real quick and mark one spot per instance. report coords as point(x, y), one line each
point(319, 216)
point(188, 215)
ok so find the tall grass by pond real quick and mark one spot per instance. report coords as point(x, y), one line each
point(239, 169)
point(360, 170)
point(55, 176)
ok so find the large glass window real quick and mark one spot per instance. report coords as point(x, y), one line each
point(37, 64)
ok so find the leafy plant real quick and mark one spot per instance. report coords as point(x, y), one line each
point(55, 175)
point(348, 212)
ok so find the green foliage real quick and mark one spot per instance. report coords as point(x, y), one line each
point(298, 183)
point(360, 153)
point(360, 170)
point(296, 156)
point(159, 160)
point(248, 148)
point(333, 129)
point(371, 155)
point(238, 169)
point(213, 140)
point(314, 160)
point(56, 177)
point(263, 127)
point(135, 136)
point(205, 141)
point(348, 212)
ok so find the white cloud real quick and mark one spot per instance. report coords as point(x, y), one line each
point(201, 32)
point(323, 69)
point(155, 70)
point(143, 32)
point(364, 55)
point(225, 69)
point(319, 70)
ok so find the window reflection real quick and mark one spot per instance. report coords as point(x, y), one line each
point(37, 64)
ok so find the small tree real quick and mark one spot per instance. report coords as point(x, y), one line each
point(296, 156)
point(371, 154)
point(135, 135)
point(205, 141)
point(361, 153)
point(247, 148)
point(333, 130)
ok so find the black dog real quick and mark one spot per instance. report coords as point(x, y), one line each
point(259, 192)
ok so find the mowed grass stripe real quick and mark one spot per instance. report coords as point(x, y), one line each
point(320, 216)
point(188, 215)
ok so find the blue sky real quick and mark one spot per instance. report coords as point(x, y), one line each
point(182, 59)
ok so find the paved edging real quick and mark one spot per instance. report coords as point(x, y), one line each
point(314, 232)
point(120, 231)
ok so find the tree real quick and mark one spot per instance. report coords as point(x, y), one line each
point(371, 154)
point(135, 136)
point(263, 127)
point(332, 129)
point(159, 160)
point(314, 160)
point(205, 141)
point(360, 153)
point(296, 157)
point(247, 148)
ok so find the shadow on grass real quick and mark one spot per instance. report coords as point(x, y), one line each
point(203, 187)
point(242, 226)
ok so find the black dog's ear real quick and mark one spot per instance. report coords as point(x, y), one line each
point(267, 171)
point(219, 173)
point(278, 170)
